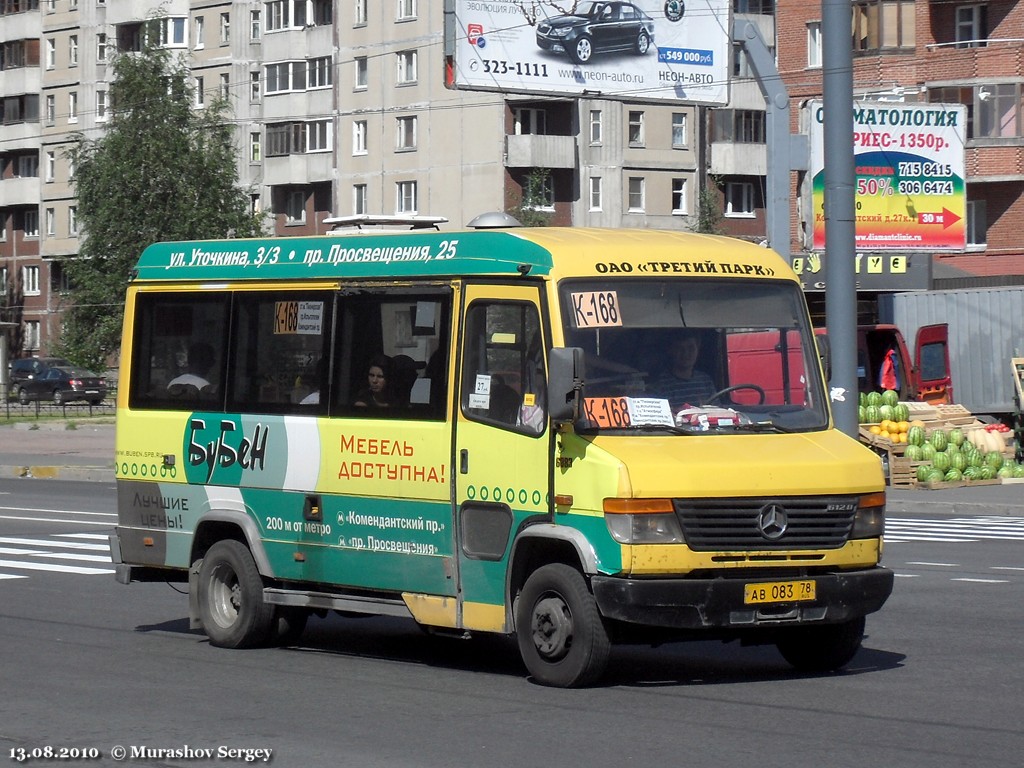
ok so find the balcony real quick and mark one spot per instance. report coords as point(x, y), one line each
point(739, 159)
point(540, 151)
point(298, 169)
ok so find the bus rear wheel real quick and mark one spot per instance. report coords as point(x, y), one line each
point(561, 636)
point(231, 605)
point(824, 648)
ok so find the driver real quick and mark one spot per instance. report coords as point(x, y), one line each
point(683, 384)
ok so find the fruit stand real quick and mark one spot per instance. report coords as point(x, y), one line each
point(937, 446)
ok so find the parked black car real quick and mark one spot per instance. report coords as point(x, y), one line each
point(60, 381)
point(26, 368)
point(597, 28)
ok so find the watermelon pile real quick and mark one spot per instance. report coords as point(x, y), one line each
point(876, 407)
point(947, 456)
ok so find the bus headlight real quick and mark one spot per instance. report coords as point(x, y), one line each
point(642, 521)
point(869, 521)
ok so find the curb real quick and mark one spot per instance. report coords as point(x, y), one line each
point(91, 474)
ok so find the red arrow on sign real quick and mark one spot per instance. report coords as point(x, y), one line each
point(947, 218)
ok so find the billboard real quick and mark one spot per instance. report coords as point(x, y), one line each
point(641, 50)
point(910, 192)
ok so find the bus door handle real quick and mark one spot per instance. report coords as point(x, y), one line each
point(464, 461)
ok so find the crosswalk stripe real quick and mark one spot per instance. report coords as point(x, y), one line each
point(104, 523)
point(54, 542)
point(26, 566)
point(12, 576)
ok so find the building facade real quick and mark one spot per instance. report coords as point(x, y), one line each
point(340, 108)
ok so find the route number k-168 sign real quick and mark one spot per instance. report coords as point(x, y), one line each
point(641, 50)
point(910, 193)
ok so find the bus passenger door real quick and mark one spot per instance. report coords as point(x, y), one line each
point(501, 441)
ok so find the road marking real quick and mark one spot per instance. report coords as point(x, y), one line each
point(908, 575)
point(57, 511)
point(938, 565)
point(983, 581)
point(18, 564)
point(954, 530)
point(105, 523)
point(12, 576)
point(1006, 568)
point(52, 542)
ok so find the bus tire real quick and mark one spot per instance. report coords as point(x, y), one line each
point(231, 605)
point(561, 636)
point(824, 648)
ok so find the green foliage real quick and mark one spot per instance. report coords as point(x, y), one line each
point(528, 210)
point(709, 212)
point(160, 171)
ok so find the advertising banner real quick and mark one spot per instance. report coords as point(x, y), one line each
point(644, 50)
point(909, 190)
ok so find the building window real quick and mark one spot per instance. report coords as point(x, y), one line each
point(51, 165)
point(405, 138)
point(739, 199)
point(101, 105)
point(359, 137)
point(51, 109)
point(198, 25)
point(406, 61)
point(814, 44)
point(254, 86)
point(30, 280)
point(73, 107)
point(406, 10)
point(295, 207)
point(200, 91)
point(636, 194)
point(977, 223)
point(971, 26)
point(73, 50)
point(742, 126)
point(320, 72)
point(405, 201)
point(360, 13)
point(101, 48)
point(225, 28)
point(636, 128)
point(26, 166)
point(51, 222)
point(361, 81)
point(679, 137)
point(225, 85)
point(255, 147)
point(255, 25)
point(318, 136)
point(31, 337)
point(595, 126)
point(529, 121)
point(172, 32)
point(286, 76)
point(51, 53)
point(883, 25)
point(679, 206)
point(595, 193)
point(359, 199)
point(73, 220)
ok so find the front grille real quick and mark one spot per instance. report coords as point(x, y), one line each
point(816, 522)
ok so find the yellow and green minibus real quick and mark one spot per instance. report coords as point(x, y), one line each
point(573, 436)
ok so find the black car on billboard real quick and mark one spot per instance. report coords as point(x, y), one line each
point(595, 28)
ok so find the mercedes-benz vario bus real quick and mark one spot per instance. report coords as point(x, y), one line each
point(555, 434)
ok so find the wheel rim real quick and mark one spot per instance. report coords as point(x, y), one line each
point(583, 50)
point(58, 397)
point(23, 397)
point(225, 595)
point(643, 44)
point(551, 628)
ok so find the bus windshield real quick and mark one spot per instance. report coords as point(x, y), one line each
point(685, 355)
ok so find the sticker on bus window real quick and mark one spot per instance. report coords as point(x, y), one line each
point(299, 317)
point(595, 309)
point(618, 412)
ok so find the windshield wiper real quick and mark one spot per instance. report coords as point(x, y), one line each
point(758, 426)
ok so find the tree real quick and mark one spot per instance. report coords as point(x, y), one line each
point(709, 212)
point(161, 171)
point(532, 201)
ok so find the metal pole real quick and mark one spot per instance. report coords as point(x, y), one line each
point(840, 240)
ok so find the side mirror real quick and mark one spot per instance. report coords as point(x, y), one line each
point(825, 355)
point(565, 383)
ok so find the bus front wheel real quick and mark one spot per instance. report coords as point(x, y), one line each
point(231, 605)
point(561, 636)
point(824, 648)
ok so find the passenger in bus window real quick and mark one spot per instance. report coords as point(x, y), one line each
point(377, 393)
point(197, 369)
point(316, 382)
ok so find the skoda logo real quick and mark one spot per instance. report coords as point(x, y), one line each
point(772, 521)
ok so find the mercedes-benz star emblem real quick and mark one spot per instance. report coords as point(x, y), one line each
point(772, 521)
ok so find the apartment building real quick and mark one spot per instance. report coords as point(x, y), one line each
point(339, 108)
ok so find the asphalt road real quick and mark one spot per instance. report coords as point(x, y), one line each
point(91, 664)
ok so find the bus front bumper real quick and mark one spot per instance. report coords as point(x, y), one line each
point(719, 602)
